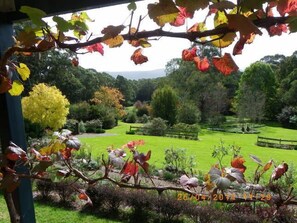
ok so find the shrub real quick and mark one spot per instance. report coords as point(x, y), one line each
point(46, 106)
point(106, 198)
point(186, 127)
point(93, 126)
point(156, 127)
point(105, 114)
point(143, 110)
point(288, 117)
point(80, 111)
point(45, 188)
point(177, 161)
point(143, 119)
point(72, 125)
point(33, 130)
point(188, 113)
point(81, 127)
point(130, 117)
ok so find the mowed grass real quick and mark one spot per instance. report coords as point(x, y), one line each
point(48, 213)
point(201, 149)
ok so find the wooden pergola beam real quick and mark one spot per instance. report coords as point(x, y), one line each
point(55, 7)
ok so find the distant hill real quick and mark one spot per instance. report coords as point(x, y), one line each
point(136, 75)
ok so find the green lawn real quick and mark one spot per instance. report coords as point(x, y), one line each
point(47, 213)
point(202, 148)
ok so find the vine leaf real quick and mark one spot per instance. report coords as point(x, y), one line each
point(181, 18)
point(242, 24)
point(5, 84)
point(279, 171)
point(45, 45)
point(241, 42)
point(97, 47)
point(163, 12)
point(225, 41)
point(34, 14)
point(189, 54)
point(225, 64)
point(14, 153)
point(222, 5)
point(202, 65)
point(286, 6)
point(138, 58)
point(193, 5)
point(237, 163)
point(114, 42)
point(16, 89)
point(23, 71)
point(112, 31)
point(132, 6)
point(184, 180)
point(277, 29)
point(26, 38)
point(62, 24)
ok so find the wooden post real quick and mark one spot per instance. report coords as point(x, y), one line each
point(12, 129)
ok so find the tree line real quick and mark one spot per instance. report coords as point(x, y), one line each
point(266, 90)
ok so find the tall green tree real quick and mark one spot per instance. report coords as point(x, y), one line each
point(164, 104)
point(126, 87)
point(259, 78)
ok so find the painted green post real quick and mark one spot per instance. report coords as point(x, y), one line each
point(12, 129)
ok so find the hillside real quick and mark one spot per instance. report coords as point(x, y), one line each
point(136, 75)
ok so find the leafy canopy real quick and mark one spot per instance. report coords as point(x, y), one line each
point(225, 22)
point(46, 106)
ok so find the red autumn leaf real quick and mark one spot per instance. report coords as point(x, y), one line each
point(225, 64)
point(132, 144)
point(38, 156)
point(130, 168)
point(279, 171)
point(138, 58)
point(202, 65)
point(14, 153)
point(277, 30)
point(85, 197)
point(181, 17)
point(66, 153)
point(241, 42)
point(141, 159)
point(189, 54)
point(98, 47)
point(286, 6)
point(237, 163)
point(5, 84)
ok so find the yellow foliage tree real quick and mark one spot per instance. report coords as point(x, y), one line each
point(110, 97)
point(46, 106)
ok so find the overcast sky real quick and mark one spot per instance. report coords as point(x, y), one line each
point(164, 49)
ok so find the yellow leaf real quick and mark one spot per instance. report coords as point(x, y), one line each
point(225, 41)
point(220, 18)
point(112, 31)
point(114, 42)
point(55, 147)
point(163, 12)
point(17, 88)
point(23, 71)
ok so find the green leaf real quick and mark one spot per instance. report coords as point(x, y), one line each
point(34, 14)
point(42, 166)
point(132, 6)
point(62, 24)
point(247, 5)
point(292, 23)
point(17, 88)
